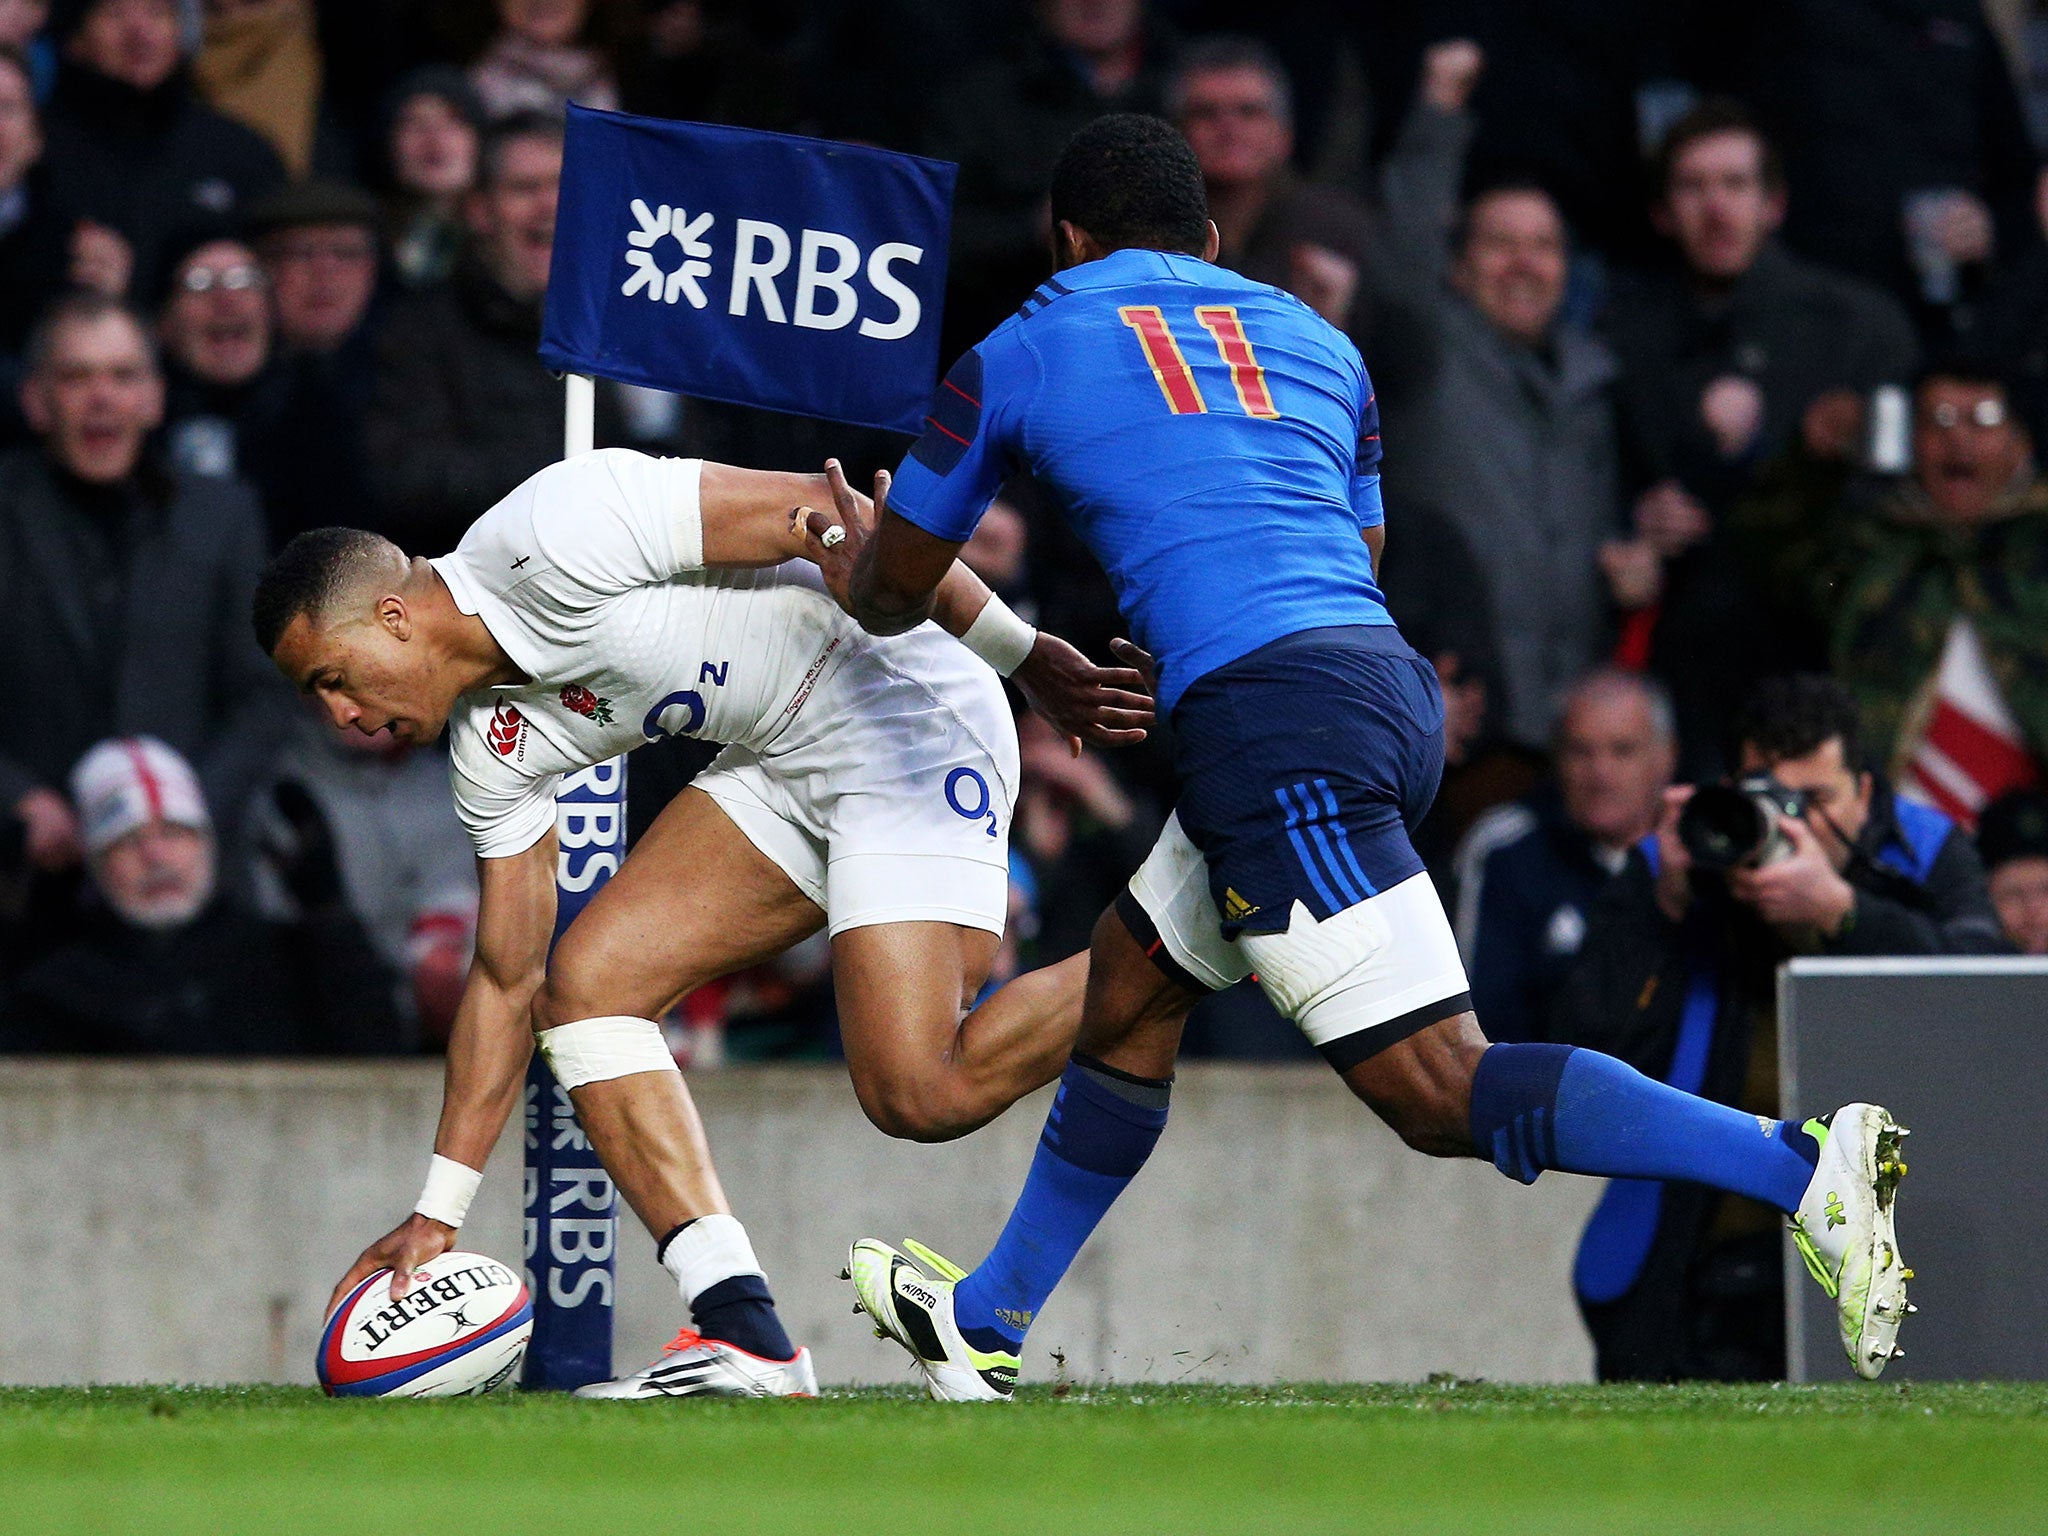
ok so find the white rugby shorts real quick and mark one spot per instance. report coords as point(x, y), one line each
point(888, 799)
point(1363, 980)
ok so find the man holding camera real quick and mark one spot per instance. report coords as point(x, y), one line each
point(1806, 851)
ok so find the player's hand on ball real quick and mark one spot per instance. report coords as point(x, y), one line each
point(409, 1244)
point(836, 545)
point(1106, 706)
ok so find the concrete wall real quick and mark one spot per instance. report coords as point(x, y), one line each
point(185, 1221)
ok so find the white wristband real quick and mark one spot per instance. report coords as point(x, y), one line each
point(999, 637)
point(449, 1189)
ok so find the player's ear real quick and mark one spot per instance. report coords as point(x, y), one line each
point(1212, 242)
point(1066, 246)
point(395, 617)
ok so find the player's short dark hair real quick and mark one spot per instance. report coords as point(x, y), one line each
point(308, 576)
point(1798, 713)
point(530, 124)
point(1225, 53)
point(1130, 179)
point(1711, 116)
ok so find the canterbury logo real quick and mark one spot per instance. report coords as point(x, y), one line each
point(507, 730)
point(1834, 1212)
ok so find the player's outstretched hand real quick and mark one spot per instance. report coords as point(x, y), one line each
point(836, 545)
point(1083, 702)
point(409, 1244)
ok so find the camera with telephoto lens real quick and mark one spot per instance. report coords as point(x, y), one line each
point(1727, 826)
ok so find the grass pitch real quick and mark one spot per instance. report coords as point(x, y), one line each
point(1443, 1459)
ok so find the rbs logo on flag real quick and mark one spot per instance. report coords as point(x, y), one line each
point(757, 268)
point(825, 296)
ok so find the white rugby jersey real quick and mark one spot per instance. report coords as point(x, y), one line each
point(591, 577)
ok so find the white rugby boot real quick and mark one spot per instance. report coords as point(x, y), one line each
point(1844, 1230)
point(910, 1300)
point(694, 1366)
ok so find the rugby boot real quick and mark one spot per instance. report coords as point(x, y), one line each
point(694, 1366)
point(910, 1300)
point(1845, 1233)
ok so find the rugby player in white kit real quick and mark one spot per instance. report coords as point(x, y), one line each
point(865, 788)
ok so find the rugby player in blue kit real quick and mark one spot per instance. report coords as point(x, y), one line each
point(1216, 443)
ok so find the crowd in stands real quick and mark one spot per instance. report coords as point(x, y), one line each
point(1711, 343)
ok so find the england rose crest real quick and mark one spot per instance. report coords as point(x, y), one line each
point(579, 700)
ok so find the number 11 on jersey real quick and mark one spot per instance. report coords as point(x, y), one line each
point(1170, 365)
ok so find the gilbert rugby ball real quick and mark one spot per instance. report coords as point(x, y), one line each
point(460, 1331)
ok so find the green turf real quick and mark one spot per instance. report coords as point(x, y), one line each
point(1441, 1459)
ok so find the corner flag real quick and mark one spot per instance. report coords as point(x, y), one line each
point(756, 268)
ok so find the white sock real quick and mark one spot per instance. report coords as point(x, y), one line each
point(709, 1250)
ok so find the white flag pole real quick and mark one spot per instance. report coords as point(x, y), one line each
point(579, 414)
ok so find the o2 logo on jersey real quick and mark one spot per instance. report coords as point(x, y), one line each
point(677, 715)
point(963, 783)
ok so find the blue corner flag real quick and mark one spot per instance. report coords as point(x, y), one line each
point(755, 268)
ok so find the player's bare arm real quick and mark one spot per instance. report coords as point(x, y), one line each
point(488, 1045)
point(1376, 545)
point(1104, 706)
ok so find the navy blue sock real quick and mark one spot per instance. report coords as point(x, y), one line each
point(1556, 1106)
point(738, 1311)
point(1102, 1127)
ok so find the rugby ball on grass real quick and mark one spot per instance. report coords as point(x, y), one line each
point(460, 1331)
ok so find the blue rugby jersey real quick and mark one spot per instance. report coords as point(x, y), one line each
point(1213, 440)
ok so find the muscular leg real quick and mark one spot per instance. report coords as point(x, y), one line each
point(1531, 1107)
point(1103, 1125)
point(924, 1072)
point(695, 901)
point(925, 1068)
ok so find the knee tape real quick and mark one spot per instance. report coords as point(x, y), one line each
point(597, 1050)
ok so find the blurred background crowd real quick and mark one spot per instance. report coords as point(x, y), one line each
point(1711, 342)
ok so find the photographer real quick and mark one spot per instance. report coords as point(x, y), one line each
point(1677, 977)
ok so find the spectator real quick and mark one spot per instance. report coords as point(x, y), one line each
point(1005, 121)
point(1725, 360)
point(434, 126)
point(1232, 99)
point(215, 329)
point(318, 240)
point(1510, 437)
point(1530, 873)
point(1940, 600)
point(406, 869)
point(127, 588)
point(1677, 977)
point(1889, 116)
point(136, 152)
point(2012, 838)
point(34, 233)
point(260, 65)
point(549, 52)
point(166, 963)
point(463, 410)
point(1725, 355)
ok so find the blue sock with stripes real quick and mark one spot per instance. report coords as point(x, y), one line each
point(1556, 1106)
point(1103, 1125)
